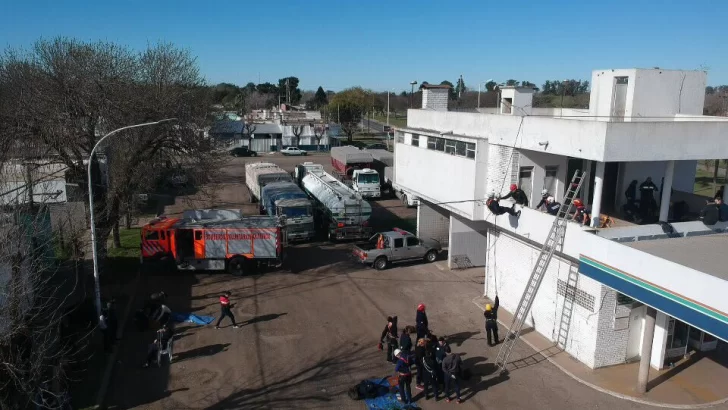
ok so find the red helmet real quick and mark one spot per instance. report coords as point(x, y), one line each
point(578, 203)
point(514, 187)
point(421, 307)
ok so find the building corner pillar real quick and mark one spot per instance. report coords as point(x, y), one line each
point(597, 194)
point(643, 376)
point(666, 191)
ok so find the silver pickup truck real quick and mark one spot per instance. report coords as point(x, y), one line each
point(395, 246)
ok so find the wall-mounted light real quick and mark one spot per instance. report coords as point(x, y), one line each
point(544, 144)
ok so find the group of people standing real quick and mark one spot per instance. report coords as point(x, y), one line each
point(431, 356)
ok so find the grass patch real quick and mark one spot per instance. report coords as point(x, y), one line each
point(130, 244)
point(704, 182)
point(394, 122)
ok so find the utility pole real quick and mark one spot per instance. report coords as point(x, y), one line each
point(412, 91)
point(460, 87)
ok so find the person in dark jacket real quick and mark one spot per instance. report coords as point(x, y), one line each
point(451, 367)
point(441, 352)
point(518, 195)
point(429, 374)
point(544, 197)
point(420, 351)
point(225, 307)
point(647, 198)
point(164, 335)
point(495, 207)
point(491, 322)
point(389, 337)
point(403, 371)
point(405, 341)
point(421, 321)
point(552, 207)
point(631, 192)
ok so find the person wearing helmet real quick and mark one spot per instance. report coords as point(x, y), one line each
point(552, 207)
point(582, 214)
point(491, 322)
point(543, 202)
point(495, 207)
point(421, 321)
point(403, 371)
point(389, 336)
point(647, 198)
point(518, 195)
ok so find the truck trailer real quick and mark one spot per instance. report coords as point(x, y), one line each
point(355, 165)
point(408, 198)
point(340, 212)
point(286, 200)
point(217, 242)
point(259, 174)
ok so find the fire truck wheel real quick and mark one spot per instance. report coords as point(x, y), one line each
point(236, 266)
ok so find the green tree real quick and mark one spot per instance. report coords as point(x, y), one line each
point(451, 92)
point(267, 88)
point(288, 88)
point(348, 107)
point(320, 98)
point(512, 83)
point(490, 85)
point(249, 88)
point(460, 88)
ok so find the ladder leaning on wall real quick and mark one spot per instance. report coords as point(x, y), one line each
point(553, 239)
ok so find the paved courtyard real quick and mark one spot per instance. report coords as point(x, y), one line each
point(310, 332)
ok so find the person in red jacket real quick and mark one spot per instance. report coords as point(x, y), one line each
point(225, 310)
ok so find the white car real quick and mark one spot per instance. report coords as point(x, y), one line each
point(293, 151)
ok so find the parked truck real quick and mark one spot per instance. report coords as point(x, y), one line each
point(215, 240)
point(408, 198)
point(259, 174)
point(287, 200)
point(339, 211)
point(395, 246)
point(355, 165)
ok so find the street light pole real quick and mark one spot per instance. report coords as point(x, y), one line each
point(387, 109)
point(97, 289)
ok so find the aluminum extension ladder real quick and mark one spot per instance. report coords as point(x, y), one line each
point(553, 240)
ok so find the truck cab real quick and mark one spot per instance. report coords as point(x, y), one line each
point(398, 245)
point(366, 182)
point(298, 218)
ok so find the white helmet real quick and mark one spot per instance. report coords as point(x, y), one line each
point(491, 194)
point(544, 191)
point(550, 199)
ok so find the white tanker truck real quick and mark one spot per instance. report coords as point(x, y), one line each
point(340, 212)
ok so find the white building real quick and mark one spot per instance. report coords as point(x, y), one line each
point(640, 123)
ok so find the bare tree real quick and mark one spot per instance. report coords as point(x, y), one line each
point(297, 130)
point(68, 94)
point(249, 128)
point(318, 132)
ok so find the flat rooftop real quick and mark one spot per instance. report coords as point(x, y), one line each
point(704, 253)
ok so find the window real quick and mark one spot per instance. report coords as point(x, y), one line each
point(549, 180)
point(400, 137)
point(151, 235)
point(198, 235)
point(440, 144)
point(431, 142)
point(162, 236)
point(450, 146)
point(624, 300)
point(398, 242)
point(460, 148)
point(416, 140)
point(470, 150)
point(412, 241)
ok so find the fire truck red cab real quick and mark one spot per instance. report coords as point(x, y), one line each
point(158, 238)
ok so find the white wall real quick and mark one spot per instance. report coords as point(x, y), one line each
point(659, 341)
point(509, 263)
point(602, 90)
point(659, 93)
point(467, 238)
point(539, 161)
point(436, 176)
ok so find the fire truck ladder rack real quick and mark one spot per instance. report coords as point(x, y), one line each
point(553, 240)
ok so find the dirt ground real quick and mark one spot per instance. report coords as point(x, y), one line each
point(310, 332)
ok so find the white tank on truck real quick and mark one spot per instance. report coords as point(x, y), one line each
point(340, 212)
point(259, 174)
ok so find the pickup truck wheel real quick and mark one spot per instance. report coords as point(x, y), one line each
point(380, 263)
point(236, 266)
point(431, 256)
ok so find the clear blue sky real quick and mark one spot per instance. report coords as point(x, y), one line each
point(386, 44)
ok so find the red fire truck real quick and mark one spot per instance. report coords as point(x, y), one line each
point(236, 245)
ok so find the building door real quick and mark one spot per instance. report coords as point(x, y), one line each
point(525, 181)
point(619, 98)
point(634, 341)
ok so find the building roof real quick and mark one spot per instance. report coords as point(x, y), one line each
point(435, 86)
point(227, 126)
point(704, 253)
point(267, 128)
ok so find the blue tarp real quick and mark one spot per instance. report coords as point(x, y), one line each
point(192, 318)
point(387, 400)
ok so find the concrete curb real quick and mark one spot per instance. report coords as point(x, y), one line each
point(106, 378)
point(607, 391)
